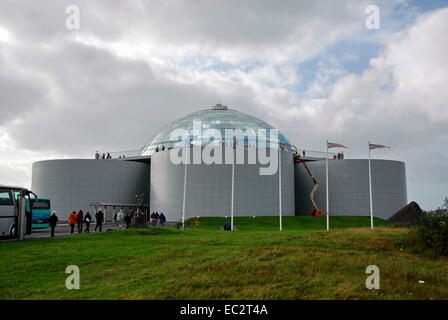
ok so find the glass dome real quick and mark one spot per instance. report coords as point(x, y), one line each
point(218, 117)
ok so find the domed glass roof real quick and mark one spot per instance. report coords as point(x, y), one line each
point(218, 117)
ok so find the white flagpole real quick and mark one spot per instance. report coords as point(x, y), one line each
point(370, 191)
point(328, 201)
point(280, 186)
point(233, 191)
point(187, 158)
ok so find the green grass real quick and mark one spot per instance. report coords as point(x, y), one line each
point(300, 224)
point(255, 262)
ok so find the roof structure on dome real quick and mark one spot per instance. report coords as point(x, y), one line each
point(218, 117)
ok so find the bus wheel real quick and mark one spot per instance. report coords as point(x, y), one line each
point(12, 231)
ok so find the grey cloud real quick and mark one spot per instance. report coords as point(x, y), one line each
point(102, 102)
point(74, 98)
point(247, 29)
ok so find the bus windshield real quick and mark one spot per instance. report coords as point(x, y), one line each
point(41, 211)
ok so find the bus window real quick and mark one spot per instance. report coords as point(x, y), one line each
point(5, 198)
point(8, 215)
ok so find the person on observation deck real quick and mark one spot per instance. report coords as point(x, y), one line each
point(72, 221)
point(53, 221)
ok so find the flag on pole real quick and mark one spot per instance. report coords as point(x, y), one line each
point(371, 147)
point(376, 146)
point(335, 145)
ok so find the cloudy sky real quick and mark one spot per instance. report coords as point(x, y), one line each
point(310, 68)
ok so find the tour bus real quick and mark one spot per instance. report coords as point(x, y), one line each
point(9, 211)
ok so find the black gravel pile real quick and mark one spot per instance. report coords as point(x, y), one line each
point(411, 215)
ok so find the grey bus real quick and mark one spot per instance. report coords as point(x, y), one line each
point(9, 211)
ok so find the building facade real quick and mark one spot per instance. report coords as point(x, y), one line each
point(206, 189)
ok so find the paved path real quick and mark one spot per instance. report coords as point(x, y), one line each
point(63, 230)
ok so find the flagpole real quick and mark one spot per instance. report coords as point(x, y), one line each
point(187, 159)
point(280, 186)
point(233, 193)
point(370, 191)
point(328, 202)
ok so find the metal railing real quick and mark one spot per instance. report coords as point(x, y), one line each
point(316, 154)
point(117, 154)
point(137, 153)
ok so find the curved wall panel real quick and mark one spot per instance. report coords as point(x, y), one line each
point(349, 187)
point(73, 184)
point(208, 191)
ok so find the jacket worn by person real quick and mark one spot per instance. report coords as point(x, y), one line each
point(53, 220)
point(80, 217)
point(72, 218)
point(99, 217)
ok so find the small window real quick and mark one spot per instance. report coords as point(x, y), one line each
point(5, 198)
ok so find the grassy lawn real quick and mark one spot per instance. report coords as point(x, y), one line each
point(254, 262)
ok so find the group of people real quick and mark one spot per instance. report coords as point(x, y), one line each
point(121, 219)
point(340, 155)
point(124, 219)
point(79, 219)
point(155, 216)
point(106, 156)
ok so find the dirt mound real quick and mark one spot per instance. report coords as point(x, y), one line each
point(411, 214)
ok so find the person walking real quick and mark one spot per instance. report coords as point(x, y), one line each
point(87, 221)
point(115, 220)
point(162, 219)
point(120, 219)
point(53, 221)
point(99, 216)
point(127, 219)
point(154, 217)
point(80, 219)
point(72, 221)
